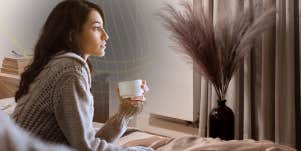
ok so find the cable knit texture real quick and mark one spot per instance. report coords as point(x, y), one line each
point(59, 108)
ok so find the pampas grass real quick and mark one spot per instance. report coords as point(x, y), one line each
point(218, 49)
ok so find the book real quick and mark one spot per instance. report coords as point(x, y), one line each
point(16, 62)
point(11, 71)
point(15, 65)
point(9, 85)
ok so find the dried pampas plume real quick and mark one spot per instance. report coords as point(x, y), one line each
point(218, 49)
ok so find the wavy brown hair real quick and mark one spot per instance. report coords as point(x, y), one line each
point(58, 33)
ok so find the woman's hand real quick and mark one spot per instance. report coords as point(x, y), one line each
point(132, 106)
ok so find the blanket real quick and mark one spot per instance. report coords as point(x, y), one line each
point(136, 137)
point(195, 143)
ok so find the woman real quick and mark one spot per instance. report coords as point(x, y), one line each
point(54, 101)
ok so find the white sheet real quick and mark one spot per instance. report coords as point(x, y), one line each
point(8, 105)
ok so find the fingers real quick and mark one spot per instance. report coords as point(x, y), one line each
point(118, 94)
point(143, 84)
point(136, 104)
point(131, 107)
point(138, 98)
point(144, 87)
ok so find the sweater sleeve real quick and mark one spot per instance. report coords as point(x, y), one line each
point(116, 126)
point(74, 114)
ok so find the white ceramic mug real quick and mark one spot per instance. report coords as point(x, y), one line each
point(128, 89)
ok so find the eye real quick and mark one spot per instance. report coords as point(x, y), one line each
point(96, 28)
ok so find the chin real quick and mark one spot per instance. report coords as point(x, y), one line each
point(101, 53)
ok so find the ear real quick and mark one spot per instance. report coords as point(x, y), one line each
point(71, 36)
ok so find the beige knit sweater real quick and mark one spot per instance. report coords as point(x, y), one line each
point(59, 108)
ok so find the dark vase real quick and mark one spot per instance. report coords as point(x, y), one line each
point(221, 122)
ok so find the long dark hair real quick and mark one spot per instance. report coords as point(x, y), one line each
point(58, 33)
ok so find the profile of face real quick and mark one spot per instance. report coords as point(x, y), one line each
point(92, 39)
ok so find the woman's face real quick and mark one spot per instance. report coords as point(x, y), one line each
point(92, 39)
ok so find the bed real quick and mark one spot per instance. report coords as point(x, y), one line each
point(134, 136)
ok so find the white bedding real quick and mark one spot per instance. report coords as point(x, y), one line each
point(160, 143)
point(7, 105)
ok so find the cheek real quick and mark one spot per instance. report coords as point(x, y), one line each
point(91, 41)
point(94, 39)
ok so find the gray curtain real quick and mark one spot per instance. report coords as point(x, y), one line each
point(265, 92)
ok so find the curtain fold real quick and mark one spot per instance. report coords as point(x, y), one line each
point(264, 93)
point(298, 77)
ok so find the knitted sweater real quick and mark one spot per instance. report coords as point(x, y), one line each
point(59, 107)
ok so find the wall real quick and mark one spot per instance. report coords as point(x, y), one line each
point(20, 23)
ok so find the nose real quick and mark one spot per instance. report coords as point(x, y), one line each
point(104, 35)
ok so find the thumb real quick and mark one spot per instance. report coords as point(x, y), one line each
point(118, 94)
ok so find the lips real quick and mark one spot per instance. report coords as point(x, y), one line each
point(103, 45)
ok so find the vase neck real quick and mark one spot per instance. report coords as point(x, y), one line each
point(221, 102)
